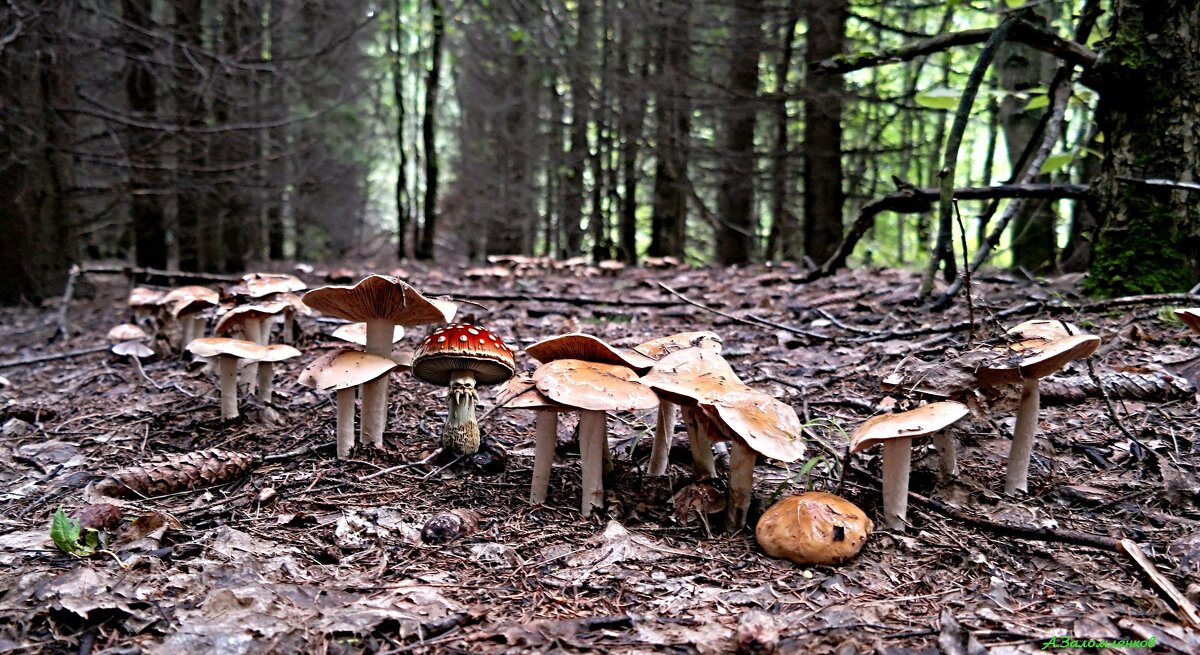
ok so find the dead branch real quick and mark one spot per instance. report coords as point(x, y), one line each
point(170, 277)
point(1170, 184)
point(749, 320)
point(50, 358)
point(1023, 32)
point(569, 300)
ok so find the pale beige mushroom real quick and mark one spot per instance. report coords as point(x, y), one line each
point(266, 369)
point(520, 392)
point(382, 302)
point(813, 528)
point(253, 323)
point(356, 333)
point(344, 371)
point(896, 432)
point(188, 305)
point(129, 340)
point(664, 428)
point(227, 352)
point(594, 389)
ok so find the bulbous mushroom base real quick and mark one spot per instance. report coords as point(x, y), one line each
point(460, 436)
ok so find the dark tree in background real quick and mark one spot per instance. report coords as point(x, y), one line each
point(823, 98)
point(735, 195)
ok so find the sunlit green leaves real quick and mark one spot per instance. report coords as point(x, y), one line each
point(1056, 161)
point(939, 98)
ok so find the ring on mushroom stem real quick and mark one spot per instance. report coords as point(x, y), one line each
point(461, 356)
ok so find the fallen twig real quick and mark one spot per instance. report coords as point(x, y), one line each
point(749, 320)
point(50, 358)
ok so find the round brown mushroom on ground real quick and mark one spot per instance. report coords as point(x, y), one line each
point(227, 352)
point(344, 371)
point(594, 389)
point(813, 528)
point(1026, 363)
point(462, 357)
point(896, 432)
point(382, 302)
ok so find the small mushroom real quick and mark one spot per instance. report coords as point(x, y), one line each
point(701, 498)
point(896, 432)
point(145, 304)
point(1190, 317)
point(461, 357)
point(520, 392)
point(594, 389)
point(382, 302)
point(344, 371)
point(261, 285)
point(813, 528)
point(227, 352)
point(664, 429)
point(1025, 363)
point(188, 305)
point(129, 340)
point(266, 369)
point(251, 321)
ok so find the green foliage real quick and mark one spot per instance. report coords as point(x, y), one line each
point(939, 98)
point(66, 533)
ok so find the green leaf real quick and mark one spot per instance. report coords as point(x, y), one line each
point(1012, 4)
point(64, 531)
point(1056, 161)
point(938, 98)
point(1037, 102)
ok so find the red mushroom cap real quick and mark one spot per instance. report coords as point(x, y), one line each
point(463, 347)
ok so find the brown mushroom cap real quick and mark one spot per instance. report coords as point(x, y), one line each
point(693, 375)
point(593, 386)
point(520, 392)
point(257, 285)
point(143, 297)
point(813, 528)
point(588, 348)
point(1190, 317)
point(342, 369)
point(658, 348)
point(1041, 328)
point(924, 420)
point(1035, 359)
point(237, 316)
point(126, 332)
point(357, 333)
point(186, 300)
point(214, 346)
point(768, 426)
point(380, 297)
point(463, 347)
point(278, 352)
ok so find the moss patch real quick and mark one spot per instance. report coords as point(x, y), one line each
point(1143, 256)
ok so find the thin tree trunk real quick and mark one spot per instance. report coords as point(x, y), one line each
point(571, 218)
point(633, 114)
point(425, 249)
point(141, 92)
point(672, 131)
point(735, 195)
point(823, 99)
point(398, 76)
point(783, 241)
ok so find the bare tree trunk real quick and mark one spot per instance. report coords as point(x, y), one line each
point(141, 92)
point(672, 130)
point(398, 76)
point(571, 217)
point(823, 99)
point(735, 195)
point(425, 249)
point(633, 115)
point(783, 241)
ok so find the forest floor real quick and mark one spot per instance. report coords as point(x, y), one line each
point(306, 554)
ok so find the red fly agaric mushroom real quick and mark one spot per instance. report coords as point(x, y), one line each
point(664, 429)
point(187, 307)
point(594, 389)
point(227, 352)
point(344, 371)
point(813, 528)
point(1026, 363)
point(896, 432)
point(757, 424)
point(461, 357)
point(520, 392)
point(382, 302)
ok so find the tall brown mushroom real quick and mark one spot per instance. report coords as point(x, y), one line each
point(462, 357)
point(381, 302)
point(520, 392)
point(344, 371)
point(664, 428)
point(896, 432)
point(227, 352)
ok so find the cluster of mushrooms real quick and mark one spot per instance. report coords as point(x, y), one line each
point(683, 376)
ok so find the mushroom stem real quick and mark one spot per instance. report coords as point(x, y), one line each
point(741, 483)
point(345, 421)
point(188, 331)
point(289, 322)
point(543, 459)
point(266, 381)
point(461, 434)
point(663, 431)
point(227, 366)
point(1023, 434)
point(947, 453)
point(253, 330)
point(702, 455)
point(375, 393)
point(897, 462)
point(593, 435)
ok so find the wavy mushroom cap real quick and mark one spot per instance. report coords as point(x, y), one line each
point(593, 386)
point(380, 298)
point(257, 285)
point(1034, 359)
point(520, 392)
point(924, 420)
point(463, 347)
point(693, 375)
point(813, 528)
point(658, 348)
point(342, 369)
point(144, 297)
point(278, 352)
point(768, 426)
point(1047, 329)
point(238, 316)
point(215, 346)
point(356, 333)
point(588, 348)
point(189, 299)
point(132, 348)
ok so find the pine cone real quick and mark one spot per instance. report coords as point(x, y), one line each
point(166, 475)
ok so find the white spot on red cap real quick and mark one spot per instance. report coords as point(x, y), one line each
point(462, 337)
point(472, 331)
point(441, 339)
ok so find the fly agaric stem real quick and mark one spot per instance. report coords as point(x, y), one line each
point(664, 429)
point(947, 454)
point(702, 454)
point(227, 366)
point(461, 434)
point(593, 437)
point(375, 393)
point(897, 463)
point(741, 483)
point(547, 439)
point(345, 421)
point(1023, 434)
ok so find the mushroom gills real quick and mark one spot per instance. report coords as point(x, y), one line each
point(461, 433)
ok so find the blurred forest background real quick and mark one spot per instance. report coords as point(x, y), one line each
point(209, 135)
